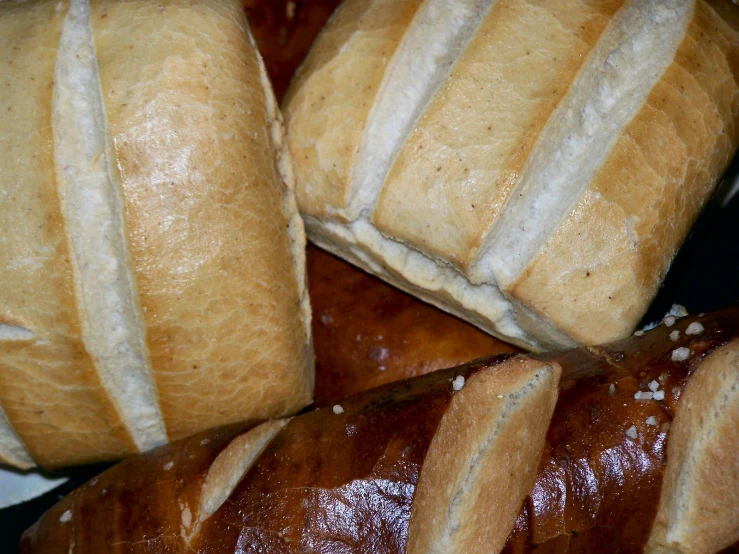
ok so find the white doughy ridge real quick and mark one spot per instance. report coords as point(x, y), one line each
point(435, 38)
point(113, 329)
point(636, 48)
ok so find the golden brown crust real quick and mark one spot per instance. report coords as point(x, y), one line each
point(368, 457)
point(210, 231)
point(177, 201)
point(613, 250)
point(597, 485)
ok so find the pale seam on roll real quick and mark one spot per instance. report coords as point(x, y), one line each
point(11, 446)
point(631, 55)
point(284, 168)
point(435, 39)
point(113, 328)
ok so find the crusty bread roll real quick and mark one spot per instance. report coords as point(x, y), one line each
point(530, 167)
point(435, 463)
point(152, 282)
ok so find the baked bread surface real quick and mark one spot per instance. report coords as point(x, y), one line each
point(531, 168)
point(155, 276)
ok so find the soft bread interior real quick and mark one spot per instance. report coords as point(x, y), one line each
point(112, 324)
point(699, 504)
point(634, 51)
point(12, 450)
point(432, 43)
point(233, 463)
point(483, 459)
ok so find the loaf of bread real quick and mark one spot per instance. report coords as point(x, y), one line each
point(641, 454)
point(152, 280)
point(530, 167)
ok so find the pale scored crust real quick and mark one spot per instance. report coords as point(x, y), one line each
point(450, 180)
point(699, 505)
point(49, 387)
point(329, 101)
point(592, 277)
point(483, 460)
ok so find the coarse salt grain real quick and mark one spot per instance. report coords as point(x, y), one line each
point(659, 395)
point(662, 377)
point(678, 310)
point(675, 336)
point(653, 386)
point(651, 420)
point(168, 466)
point(680, 354)
point(694, 328)
point(458, 382)
point(631, 432)
point(639, 333)
point(643, 395)
point(337, 409)
point(66, 516)
point(612, 389)
point(669, 321)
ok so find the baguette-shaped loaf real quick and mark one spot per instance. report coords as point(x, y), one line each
point(530, 167)
point(425, 465)
point(152, 282)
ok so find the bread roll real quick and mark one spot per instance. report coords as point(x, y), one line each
point(153, 279)
point(530, 167)
point(414, 467)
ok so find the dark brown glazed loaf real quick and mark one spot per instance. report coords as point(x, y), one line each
point(353, 477)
